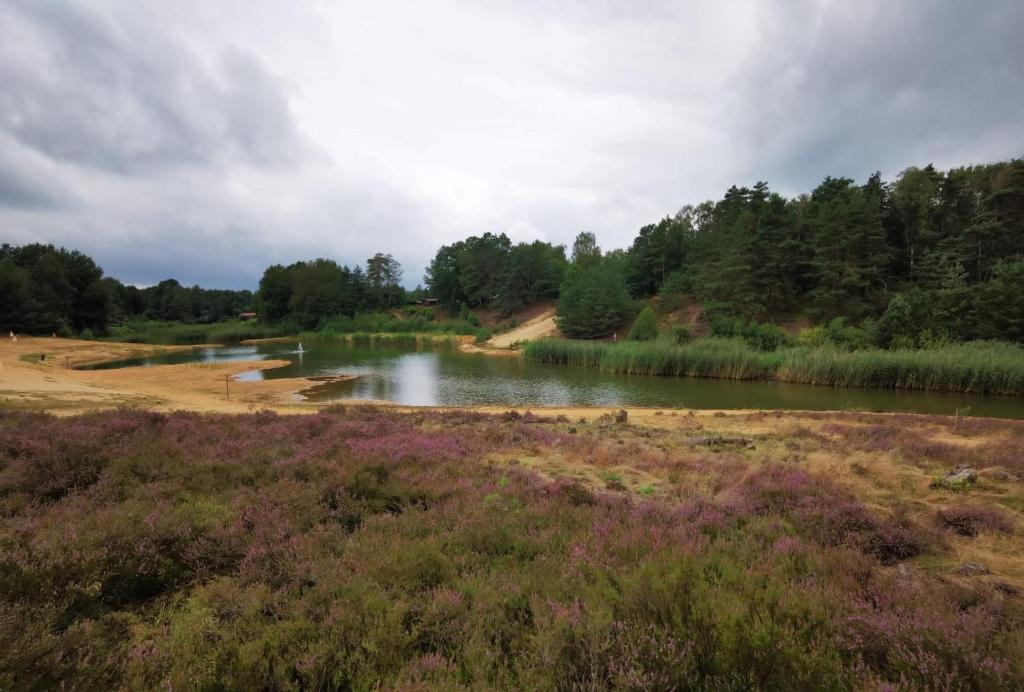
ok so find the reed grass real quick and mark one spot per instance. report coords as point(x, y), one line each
point(977, 367)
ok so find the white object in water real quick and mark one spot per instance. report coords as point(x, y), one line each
point(301, 350)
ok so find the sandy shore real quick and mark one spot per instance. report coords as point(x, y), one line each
point(53, 385)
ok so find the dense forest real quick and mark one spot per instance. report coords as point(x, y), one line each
point(931, 252)
point(932, 256)
point(305, 294)
point(44, 289)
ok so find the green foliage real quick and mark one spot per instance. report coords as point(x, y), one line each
point(981, 367)
point(645, 326)
point(936, 239)
point(1001, 302)
point(177, 333)
point(594, 301)
point(679, 334)
point(387, 323)
point(764, 337)
point(656, 254)
point(896, 325)
point(310, 293)
point(43, 289)
point(839, 334)
point(488, 271)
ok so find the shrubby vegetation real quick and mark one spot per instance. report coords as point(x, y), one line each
point(361, 549)
point(980, 367)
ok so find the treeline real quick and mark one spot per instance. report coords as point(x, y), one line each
point(930, 257)
point(933, 254)
point(307, 294)
point(488, 271)
point(45, 289)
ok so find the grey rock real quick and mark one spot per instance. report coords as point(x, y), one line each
point(957, 479)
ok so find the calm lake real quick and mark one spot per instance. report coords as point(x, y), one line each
point(449, 377)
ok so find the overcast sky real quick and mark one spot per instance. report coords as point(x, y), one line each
point(204, 140)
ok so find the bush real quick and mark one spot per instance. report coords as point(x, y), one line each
point(680, 334)
point(763, 337)
point(86, 334)
point(645, 327)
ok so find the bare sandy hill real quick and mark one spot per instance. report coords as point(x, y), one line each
point(539, 327)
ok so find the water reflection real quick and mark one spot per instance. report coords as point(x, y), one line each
point(449, 377)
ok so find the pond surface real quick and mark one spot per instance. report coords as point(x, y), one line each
point(449, 377)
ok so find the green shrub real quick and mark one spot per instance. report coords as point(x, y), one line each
point(645, 327)
point(680, 334)
point(762, 336)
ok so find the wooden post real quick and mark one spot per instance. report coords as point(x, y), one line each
point(67, 362)
point(227, 395)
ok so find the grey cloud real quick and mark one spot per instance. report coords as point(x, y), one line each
point(18, 193)
point(115, 92)
point(850, 88)
point(204, 141)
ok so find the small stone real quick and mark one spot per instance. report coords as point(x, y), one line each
point(973, 569)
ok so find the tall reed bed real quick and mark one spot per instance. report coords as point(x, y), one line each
point(979, 367)
point(566, 352)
